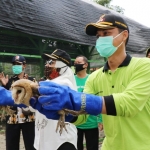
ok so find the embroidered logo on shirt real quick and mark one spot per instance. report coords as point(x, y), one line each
point(41, 125)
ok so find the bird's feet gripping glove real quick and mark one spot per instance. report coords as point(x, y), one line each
point(54, 97)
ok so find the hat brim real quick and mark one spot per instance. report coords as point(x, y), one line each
point(19, 62)
point(91, 29)
point(47, 56)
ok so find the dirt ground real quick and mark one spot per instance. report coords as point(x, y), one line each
point(2, 138)
point(3, 142)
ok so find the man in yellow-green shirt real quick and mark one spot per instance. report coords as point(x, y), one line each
point(123, 86)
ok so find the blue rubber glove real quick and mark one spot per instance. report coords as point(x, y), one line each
point(6, 98)
point(50, 114)
point(55, 97)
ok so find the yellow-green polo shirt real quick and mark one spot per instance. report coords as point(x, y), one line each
point(127, 98)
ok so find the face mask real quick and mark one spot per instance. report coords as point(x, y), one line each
point(78, 67)
point(52, 73)
point(17, 69)
point(105, 47)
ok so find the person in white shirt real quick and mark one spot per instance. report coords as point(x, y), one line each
point(57, 69)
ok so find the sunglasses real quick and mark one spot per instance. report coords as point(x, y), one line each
point(50, 62)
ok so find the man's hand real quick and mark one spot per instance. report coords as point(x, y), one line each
point(26, 76)
point(54, 97)
point(3, 79)
point(100, 126)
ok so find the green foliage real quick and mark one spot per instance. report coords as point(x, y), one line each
point(116, 8)
point(103, 2)
point(106, 3)
point(1, 68)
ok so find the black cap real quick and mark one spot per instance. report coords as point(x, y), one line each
point(106, 21)
point(59, 55)
point(18, 59)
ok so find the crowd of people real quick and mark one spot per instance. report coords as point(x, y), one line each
point(115, 97)
point(40, 133)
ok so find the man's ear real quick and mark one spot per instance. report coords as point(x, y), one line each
point(125, 35)
point(24, 66)
point(85, 65)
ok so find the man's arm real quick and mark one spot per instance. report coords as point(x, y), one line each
point(89, 88)
point(126, 103)
point(134, 97)
point(103, 107)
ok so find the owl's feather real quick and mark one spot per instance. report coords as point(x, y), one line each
point(23, 90)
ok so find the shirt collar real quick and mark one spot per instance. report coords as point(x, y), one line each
point(124, 63)
point(16, 76)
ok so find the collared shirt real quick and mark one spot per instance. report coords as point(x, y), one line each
point(124, 63)
point(21, 115)
point(126, 93)
point(112, 110)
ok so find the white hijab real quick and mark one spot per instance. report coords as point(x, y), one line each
point(66, 76)
point(45, 136)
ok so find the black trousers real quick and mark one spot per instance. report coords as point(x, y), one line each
point(13, 135)
point(67, 146)
point(91, 137)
